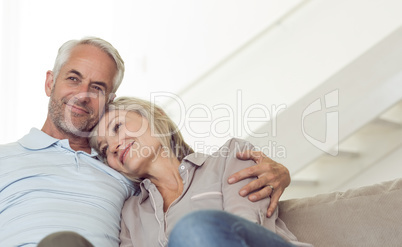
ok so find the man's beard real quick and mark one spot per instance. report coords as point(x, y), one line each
point(70, 122)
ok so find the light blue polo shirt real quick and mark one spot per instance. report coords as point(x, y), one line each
point(47, 187)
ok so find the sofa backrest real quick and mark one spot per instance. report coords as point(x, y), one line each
point(366, 216)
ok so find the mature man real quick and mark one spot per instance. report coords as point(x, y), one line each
point(51, 180)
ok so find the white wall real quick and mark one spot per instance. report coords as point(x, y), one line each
point(208, 52)
point(165, 44)
point(285, 62)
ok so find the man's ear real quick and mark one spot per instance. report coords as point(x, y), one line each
point(49, 82)
point(111, 97)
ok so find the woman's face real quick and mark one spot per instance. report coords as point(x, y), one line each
point(125, 138)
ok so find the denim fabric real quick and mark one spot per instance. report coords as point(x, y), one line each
point(218, 228)
point(65, 239)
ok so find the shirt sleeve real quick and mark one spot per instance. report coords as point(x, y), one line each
point(232, 201)
point(125, 237)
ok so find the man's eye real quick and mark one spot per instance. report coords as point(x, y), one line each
point(71, 78)
point(98, 89)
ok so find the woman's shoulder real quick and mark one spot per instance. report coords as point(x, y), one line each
point(237, 144)
point(230, 148)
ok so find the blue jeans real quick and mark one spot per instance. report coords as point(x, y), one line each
point(218, 228)
point(64, 239)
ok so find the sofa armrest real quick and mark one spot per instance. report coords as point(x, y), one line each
point(366, 216)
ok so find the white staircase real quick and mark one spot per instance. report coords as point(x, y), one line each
point(323, 87)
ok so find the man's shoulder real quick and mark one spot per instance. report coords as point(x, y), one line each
point(11, 145)
point(11, 149)
point(19, 148)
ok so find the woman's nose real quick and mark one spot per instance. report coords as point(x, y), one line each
point(115, 148)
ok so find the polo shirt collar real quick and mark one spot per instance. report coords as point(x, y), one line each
point(197, 159)
point(144, 186)
point(37, 139)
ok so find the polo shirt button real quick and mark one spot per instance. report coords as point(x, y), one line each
point(182, 167)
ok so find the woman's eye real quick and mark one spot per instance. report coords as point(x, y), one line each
point(116, 127)
point(103, 151)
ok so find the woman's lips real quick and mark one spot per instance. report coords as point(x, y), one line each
point(125, 152)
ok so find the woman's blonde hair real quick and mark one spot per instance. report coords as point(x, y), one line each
point(161, 125)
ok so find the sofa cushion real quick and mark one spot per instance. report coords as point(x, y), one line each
point(366, 216)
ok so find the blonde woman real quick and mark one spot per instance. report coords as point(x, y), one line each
point(140, 141)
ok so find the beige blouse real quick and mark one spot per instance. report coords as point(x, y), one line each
point(144, 222)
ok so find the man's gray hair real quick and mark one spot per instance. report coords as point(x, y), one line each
point(65, 52)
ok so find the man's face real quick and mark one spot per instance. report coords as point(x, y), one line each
point(81, 90)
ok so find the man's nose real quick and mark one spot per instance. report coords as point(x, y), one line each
point(84, 93)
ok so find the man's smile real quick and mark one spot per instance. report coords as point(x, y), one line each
point(77, 109)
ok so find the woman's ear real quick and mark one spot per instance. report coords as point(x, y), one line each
point(49, 82)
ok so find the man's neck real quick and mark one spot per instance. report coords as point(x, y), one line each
point(76, 143)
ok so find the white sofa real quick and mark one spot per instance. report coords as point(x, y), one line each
point(366, 216)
